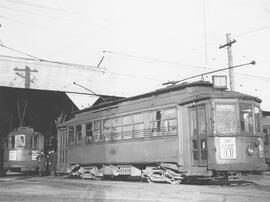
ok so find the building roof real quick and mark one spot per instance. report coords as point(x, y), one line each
point(34, 108)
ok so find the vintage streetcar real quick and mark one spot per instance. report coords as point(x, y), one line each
point(21, 149)
point(266, 133)
point(174, 133)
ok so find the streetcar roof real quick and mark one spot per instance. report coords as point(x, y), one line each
point(204, 92)
point(171, 88)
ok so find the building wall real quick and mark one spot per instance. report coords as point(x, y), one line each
point(42, 108)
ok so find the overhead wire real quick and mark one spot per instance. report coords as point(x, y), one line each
point(255, 76)
point(36, 59)
point(37, 6)
point(72, 65)
point(153, 59)
point(54, 17)
point(156, 60)
point(17, 51)
point(17, 21)
point(144, 58)
point(253, 31)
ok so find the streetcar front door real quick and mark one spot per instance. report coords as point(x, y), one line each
point(198, 135)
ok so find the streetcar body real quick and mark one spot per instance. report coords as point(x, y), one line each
point(21, 149)
point(266, 133)
point(166, 135)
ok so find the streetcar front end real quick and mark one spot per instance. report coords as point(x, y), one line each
point(21, 149)
point(236, 143)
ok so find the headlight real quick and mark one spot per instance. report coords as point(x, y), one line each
point(250, 150)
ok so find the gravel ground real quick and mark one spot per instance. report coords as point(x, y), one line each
point(32, 188)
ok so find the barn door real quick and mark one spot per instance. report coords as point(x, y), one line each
point(198, 135)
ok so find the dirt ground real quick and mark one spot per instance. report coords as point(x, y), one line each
point(33, 188)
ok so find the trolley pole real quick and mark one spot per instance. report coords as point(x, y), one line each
point(230, 59)
point(27, 75)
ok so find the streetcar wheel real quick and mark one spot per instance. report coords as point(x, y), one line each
point(149, 180)
point(175, 182)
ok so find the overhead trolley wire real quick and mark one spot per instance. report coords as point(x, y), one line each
point(152, 59)
point(72, 65)
point(253, 31)
point(34, 58)
point(37, 6)
point(17, 21)
point(53, 17)
point(17, 51)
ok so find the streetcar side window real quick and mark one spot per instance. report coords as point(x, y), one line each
point(107, 130)
point(6, 142)
point(89, 133)
point(71, 135)
point(246, 118)
point(169, 121)
point(127, 127)
point(257, 119)
point(155, 123)
point(97, 132)
point(33, 142)
point(138, 123)
point(11, 142)
point(117, 128)
point(78, 134)
point(266, 137)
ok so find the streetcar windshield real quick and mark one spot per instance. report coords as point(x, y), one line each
point(20, 141)
point(231, 119)
point(16, 141)
point(225, 118)
point(246, 118)
point(249, 118)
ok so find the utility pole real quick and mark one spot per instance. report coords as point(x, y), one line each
point(230, 59)
point(27, 75)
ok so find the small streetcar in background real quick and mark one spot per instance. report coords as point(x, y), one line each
point(174, 133)
point(21, 149)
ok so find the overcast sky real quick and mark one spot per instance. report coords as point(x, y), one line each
point(146, 43)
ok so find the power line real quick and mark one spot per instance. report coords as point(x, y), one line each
point(49, 16)
point(17, 51)
point(113, 73)
point(37, 6)
point(85, 67)
point(255, 77)
point(153, 59)
point(252, 31)
point(36, 59)
point(17, 21)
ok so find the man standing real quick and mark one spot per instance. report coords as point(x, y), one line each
point(52, 162)
point(42, 161)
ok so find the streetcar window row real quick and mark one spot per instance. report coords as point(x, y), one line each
point(162, 122)
point(22, 141)
point(138, 125)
